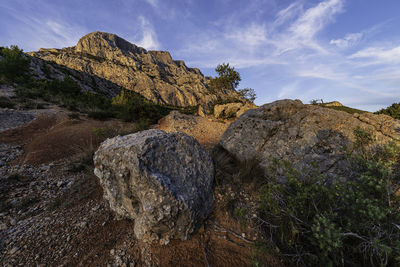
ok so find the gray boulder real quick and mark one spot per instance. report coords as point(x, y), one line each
point(161, 180)
point(307, 136)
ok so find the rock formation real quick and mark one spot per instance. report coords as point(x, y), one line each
point(153, 74)
point(163, 181)
point(231, 110)
point(332, 104)
point(307, 136)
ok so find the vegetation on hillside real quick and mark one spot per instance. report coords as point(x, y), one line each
point(393, 111)
point(313, 222)
point(320, 102)
point(228, 80)
point(13, 63)
point(129, 106)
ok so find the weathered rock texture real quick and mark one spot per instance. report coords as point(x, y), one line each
point(153, 74)
point(163, 181)
point(306, 136)
point(231, 110)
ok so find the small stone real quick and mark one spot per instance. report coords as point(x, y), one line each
point(13, 250)
point(3, 226)
point(82, 224)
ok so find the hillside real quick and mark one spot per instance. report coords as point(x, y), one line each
point(153, 74)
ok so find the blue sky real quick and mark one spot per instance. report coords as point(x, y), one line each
point(345, 50)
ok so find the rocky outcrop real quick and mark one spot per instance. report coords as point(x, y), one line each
point(231, 110)
point(41, 69)
point(153, 74)
point(163, 181)
point(332, 104)
point(308, 137)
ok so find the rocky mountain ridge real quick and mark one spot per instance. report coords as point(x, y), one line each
point(153, 74)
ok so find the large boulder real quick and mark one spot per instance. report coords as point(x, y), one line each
point(307, 136)
point(161, 180)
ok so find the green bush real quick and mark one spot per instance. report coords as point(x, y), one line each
point(131, 106)
point(313, 222)
point(393, 111)
point(13, 62)
point(6, 102)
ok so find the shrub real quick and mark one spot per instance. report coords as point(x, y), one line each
point(13, 62)
point(357, 223)
point(6, 102)
point(131, 106)
point(393, 111)
point(247, 93)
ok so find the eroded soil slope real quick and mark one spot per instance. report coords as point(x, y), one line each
point(53, 213)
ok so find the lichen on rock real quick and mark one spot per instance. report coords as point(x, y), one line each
point(161, 180)
point(307, 137)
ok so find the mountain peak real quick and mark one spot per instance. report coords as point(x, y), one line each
point(96, 43)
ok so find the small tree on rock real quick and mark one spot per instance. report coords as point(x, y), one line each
point(247, 93)
point(228, 78)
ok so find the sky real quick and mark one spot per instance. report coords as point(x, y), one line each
point(343, 50)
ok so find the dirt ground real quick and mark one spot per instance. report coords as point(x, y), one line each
point(53, 212)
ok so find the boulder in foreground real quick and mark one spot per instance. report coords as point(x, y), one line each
point(161, 180)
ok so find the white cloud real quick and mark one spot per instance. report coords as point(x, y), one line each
point(379, 55)
point(153, 3)
point(315, 18)
point(149, 38)
point(349, 40)
point(251, 36)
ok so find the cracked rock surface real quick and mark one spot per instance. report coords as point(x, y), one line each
point(161, 180)
point(307, 136)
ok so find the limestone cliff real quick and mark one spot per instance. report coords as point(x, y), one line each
point(153, 74)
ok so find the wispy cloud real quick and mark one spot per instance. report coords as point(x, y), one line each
point(153, 3)
point(379, 55)
point(314, 19)
point(349, 40)
point(40, 30)
point(293, 29)
point(149, 38)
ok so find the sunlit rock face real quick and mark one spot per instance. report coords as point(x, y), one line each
point(307, 137)
point(161, 180)
point(153, 74)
